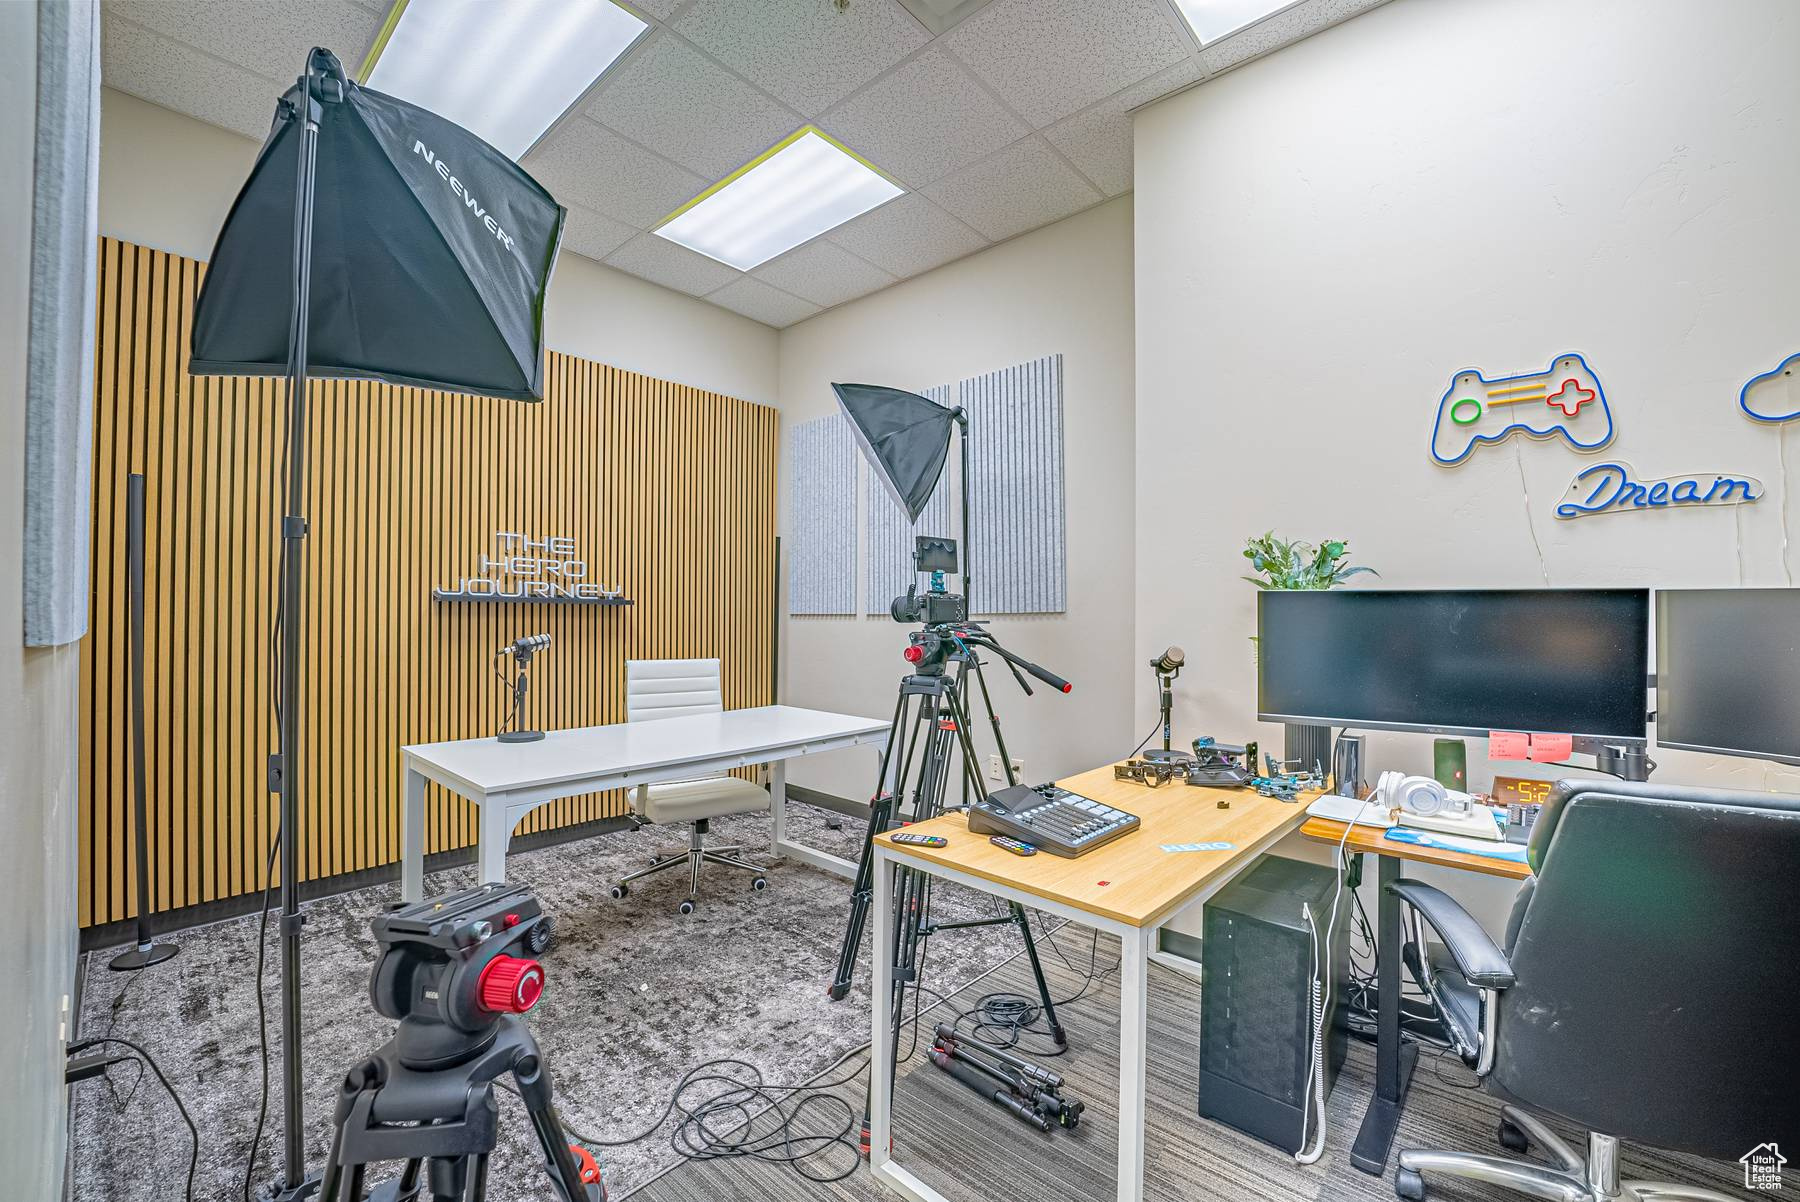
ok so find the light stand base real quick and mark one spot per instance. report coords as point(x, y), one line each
point(276, 1192)
point(142, 956)
point(519, 736)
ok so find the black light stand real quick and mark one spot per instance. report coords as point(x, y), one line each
point(146, 952)
point(285, 765)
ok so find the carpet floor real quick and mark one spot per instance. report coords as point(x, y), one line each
point(637, 995)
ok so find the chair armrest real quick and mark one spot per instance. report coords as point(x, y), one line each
point(1477, 956)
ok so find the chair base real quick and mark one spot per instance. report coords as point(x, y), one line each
point(694, 855)
point(1576, 1178)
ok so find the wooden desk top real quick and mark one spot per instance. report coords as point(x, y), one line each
point(1368, 838)
point(1132, 879)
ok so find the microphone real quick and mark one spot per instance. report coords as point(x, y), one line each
point(523, 648)
point(1169, 661)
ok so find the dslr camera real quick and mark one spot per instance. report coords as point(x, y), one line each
point(936, 606)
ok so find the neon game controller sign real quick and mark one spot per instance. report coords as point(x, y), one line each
point(1565, 400)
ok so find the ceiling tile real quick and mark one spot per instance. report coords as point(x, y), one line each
point(923, 121)
point(662, 262)
point(269, 37)
point(668, 96)
point(662, 10)
point(1098, 140)
point(803, 52)
point(165, 72)
point(1289, 25)
point(760, 302)
point(824, 273)
point(588, 233)
point(1021, 188)
point(1049, 58)
point(584, 163)
point(907, 235)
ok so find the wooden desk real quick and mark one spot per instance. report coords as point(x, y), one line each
point(1394, 1062)
point(1129, 888)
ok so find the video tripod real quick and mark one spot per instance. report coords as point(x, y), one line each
point(426, 1098)
point(930, 720)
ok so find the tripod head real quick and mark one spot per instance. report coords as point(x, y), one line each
point(931, 649)
point(448, 972)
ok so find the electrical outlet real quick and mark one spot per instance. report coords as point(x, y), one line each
point(1019, 770)
point(995, 771)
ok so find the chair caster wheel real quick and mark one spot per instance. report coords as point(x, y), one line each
point(1512, 1138)
point(687, 907)
point(759, 884)
point(621, 892)
point(1409, 1185)
point(542, 936)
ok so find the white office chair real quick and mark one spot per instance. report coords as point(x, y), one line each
point(674, 688)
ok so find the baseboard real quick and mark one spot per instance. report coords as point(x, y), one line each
point(113, 934)
point(828, 801)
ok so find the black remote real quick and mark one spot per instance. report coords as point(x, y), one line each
point(921, 840)
point(1018, 847)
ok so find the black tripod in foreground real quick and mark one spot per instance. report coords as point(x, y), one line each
point(931, 721)
point(426, 1098)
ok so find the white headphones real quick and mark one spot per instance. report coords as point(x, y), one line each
point(1418, 795)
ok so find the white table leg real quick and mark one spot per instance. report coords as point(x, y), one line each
point(493, 833)
point(1134, 1008)
point(412, 836)
point(777, 804)
point(881, 1043)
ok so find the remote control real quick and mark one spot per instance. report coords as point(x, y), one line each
point(1018, 847)
point(921, 840)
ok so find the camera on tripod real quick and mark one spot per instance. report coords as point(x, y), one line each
point(937, 606)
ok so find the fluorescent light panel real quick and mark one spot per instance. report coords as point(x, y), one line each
point(505, 71)
point(1213, 19)
point(808, 185)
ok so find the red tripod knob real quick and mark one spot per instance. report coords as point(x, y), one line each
point(509, 985)
point(913, 654)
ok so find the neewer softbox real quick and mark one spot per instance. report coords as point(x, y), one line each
point(431, 252)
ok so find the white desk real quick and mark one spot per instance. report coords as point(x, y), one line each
point(509, 780)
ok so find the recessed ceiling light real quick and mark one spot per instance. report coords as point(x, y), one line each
point(804, 186)
point(1213, 19)
point(505, 71)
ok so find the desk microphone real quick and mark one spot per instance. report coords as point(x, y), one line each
point(522, 649)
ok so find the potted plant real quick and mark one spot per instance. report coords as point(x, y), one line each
point(1293, 564)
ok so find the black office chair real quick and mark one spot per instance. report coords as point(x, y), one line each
point(1649, 988)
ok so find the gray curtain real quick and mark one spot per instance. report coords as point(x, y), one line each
point(59, 390)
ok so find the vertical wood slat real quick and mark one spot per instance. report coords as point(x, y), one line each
point(669, 491)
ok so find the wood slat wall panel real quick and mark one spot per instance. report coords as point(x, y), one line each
point(668, 491)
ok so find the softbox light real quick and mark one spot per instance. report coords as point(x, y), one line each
point(431, 252)
point(373, 239)
point(904, 436)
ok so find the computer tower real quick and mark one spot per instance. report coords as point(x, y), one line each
point(1256, 998)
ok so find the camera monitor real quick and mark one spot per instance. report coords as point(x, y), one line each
point(1560, 661)
point(932, 554)
point(1728, 671)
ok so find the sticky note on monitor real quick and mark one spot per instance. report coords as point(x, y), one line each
point(1508, 745)
point(1551, 748)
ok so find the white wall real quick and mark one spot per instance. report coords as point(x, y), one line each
point(1065, 288)
point(167, 181)
point(1325, 236)
point(38, 692)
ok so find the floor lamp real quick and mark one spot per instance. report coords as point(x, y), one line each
point(403, 281)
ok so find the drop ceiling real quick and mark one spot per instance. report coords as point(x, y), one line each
point(1015, 115)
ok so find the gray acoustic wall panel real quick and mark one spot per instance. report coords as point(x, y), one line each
point(1016, 488)
point(821, 494)
point(891, 538)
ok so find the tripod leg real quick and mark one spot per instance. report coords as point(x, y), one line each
point(533, 1081)
point(881, 813)
point(478, 1179)
point(1037, 973)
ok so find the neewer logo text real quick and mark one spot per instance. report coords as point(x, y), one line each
point(456, 186)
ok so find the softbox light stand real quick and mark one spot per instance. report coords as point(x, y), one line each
point(445, 292)
point(905, 438)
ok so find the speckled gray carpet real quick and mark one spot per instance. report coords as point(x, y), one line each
point(637, 995)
